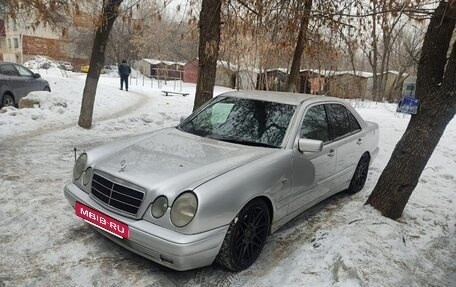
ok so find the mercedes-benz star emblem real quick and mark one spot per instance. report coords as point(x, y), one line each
point(123, 165)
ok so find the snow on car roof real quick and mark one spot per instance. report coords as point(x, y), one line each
point(278, 97)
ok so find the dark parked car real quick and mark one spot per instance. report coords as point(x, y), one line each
point(16, 81)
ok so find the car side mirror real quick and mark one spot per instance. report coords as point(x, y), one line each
point(182, 119)
point(308, 145)
point(37, 75)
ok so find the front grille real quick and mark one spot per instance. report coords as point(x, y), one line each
point(116, 195)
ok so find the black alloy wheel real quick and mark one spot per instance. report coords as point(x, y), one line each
point(7, 101)
point(360, 175)
point(246, 236)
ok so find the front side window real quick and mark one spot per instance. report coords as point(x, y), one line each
point(244, 121)
point(315, 124)
point(24, 71)
point(339, 120)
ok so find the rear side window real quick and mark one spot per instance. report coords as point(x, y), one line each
point(8, 70)
point(354, 124)
point(339, 120)
point(315, 124)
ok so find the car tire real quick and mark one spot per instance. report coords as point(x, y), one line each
point(8, 101)
point(359, 177)
point(245, 237)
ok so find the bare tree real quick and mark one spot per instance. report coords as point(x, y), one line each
point(300, 45)
point(209, 43)
point(436, 90)
point(109, 14)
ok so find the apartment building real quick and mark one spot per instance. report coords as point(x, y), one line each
point(19, 42)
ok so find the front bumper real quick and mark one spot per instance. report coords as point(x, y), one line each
point(167, 247)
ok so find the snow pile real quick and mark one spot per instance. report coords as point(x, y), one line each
point(47, 100)
point(41, 62)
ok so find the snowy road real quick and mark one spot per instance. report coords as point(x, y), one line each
point(337, 243)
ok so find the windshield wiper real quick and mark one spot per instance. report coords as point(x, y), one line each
point(239, 141)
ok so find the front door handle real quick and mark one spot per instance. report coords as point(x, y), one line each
point(331, 153)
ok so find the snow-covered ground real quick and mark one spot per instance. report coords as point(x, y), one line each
point(339, 242)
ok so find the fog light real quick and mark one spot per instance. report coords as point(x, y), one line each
point(87, 176)
point(159, 207)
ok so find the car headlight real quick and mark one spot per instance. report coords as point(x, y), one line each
point(79, 166)
point(184, 209)
point(159, 207)
point(86, 176)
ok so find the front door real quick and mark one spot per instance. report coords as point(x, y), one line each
point(28, 80)
point(312, 173)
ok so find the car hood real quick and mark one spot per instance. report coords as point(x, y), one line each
point(172, 161)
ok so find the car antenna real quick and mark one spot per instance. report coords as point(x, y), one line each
point(75, 150)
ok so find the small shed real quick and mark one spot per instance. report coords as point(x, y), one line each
point(173, 70)
point(191, 71)
point(273, 80)
point(224, 75)
point(146, 66)
point(313, 81)
point(348, 84)
point(246, 79)
point(160, 69)
point(393, 84)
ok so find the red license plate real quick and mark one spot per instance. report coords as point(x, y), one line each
point(102, 221)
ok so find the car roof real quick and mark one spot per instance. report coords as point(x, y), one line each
point(279, 97)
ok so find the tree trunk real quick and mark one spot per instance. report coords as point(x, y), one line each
point(299, 49)
point(436, 89)
point(373, 55)
point(208, 49)
point(109, 14)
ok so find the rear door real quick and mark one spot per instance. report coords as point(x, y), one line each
point(347, 136)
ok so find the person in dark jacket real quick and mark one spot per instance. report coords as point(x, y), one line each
point(124, 72)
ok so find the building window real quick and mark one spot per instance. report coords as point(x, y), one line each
point(9, 43)
point(16, 43)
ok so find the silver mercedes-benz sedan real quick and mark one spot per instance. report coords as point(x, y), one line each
point(214, 187)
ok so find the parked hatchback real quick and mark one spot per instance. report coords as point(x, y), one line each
point(16, 81)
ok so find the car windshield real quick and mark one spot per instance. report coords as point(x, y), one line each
point(243, 121)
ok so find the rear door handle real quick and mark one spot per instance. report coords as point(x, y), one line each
point(359, 141)
point(331, 153)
